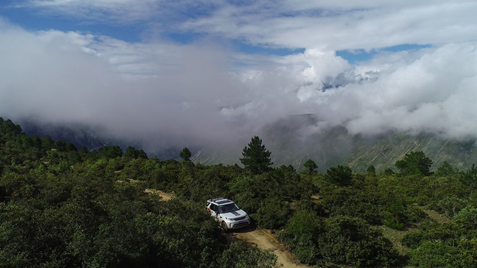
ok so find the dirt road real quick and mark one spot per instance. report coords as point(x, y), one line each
point(165, 196)
point(254, 235)
point(264, 240)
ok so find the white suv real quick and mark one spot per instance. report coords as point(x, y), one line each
point(227, 213)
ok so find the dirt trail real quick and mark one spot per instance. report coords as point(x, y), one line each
point(254, 235)
point(264, 240)
point(165, 196)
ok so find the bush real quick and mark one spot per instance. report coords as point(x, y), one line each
point(428, 224)
point(340, 175)
point(242, 255)
point(467, 217)
point(400, 215)
point(350, 241)
point(414, 214)
point(450, 205)
point(412, 240)
point(301, 234)
point(393, 223)
point(273, 213)
point(348, 201)
point(338, 240)
point(395, 217)
point(467, 254)
point(432, 254)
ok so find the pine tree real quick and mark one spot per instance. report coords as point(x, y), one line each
point(185, 154)
point(256, 157)
point(311, 166)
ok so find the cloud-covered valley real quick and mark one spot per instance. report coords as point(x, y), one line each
point(164, 93)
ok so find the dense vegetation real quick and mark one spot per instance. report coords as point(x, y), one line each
point(64, 207)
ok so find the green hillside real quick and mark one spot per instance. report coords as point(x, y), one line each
point(289, 145)
point(64, 207)
point(384, 151)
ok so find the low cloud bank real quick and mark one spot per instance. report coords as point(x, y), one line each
point(163, 94)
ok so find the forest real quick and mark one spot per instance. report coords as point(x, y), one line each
point(62, 206)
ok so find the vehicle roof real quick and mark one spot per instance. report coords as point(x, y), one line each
point(220, 201)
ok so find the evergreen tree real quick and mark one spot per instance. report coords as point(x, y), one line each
point(339, 175)
point(311, 166)
point(256, 157)
point(446, 169)
point(388, 171)
point(134, 153)
point(111, 151)
point(371, 170)
point(185, 154)
point(415, 163)
point(469, 178)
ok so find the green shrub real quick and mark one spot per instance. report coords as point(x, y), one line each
point(339, 240)
point(340, 175)
point(301, 233)
point(395, 217)
point(393, 223)
point(427, 224)
point(242, 255)
point(450, 205)
point(466, 256)
point(352, 202)
point(432, 254)
point(412, 240)
point(467, 217)
point(351, 241)
point(273, 213)
point(414, 214)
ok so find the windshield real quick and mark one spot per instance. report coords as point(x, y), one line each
point(228, 208)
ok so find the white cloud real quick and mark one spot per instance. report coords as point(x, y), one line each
point(344, 25)
point(422, 96)
point(50, 76)
point(164, 92)
point(326, 25)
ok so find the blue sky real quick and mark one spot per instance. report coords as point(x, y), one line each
point(32, 16)
point(210, 70)
point(37, 20)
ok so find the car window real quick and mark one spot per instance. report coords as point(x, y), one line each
point(228, 208)
point(213, 207)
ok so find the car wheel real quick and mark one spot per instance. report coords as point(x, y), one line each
point(224, 226)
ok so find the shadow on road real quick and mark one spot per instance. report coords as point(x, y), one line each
point(231, 234)
point(252, 227)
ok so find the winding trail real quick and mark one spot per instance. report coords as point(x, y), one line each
point(252, 234)
point(164, 196)
point(265, 241)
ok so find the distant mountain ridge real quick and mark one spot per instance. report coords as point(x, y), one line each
point(83, 135)
point(336, 146)
point(79, 135)
point(293, 141)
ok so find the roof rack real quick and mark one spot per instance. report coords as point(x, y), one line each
point(220, 200)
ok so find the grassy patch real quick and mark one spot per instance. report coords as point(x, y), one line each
point(439, 218)
point(395, 236)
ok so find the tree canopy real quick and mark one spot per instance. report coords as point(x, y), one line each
point(185, 154)
point(340, 175)
point(414, 163)
point(64, 208)
point(310, 166)
point(134, 153)
point(256, 158)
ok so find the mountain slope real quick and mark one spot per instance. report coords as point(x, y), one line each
point(296, 139)
point(293, 141)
